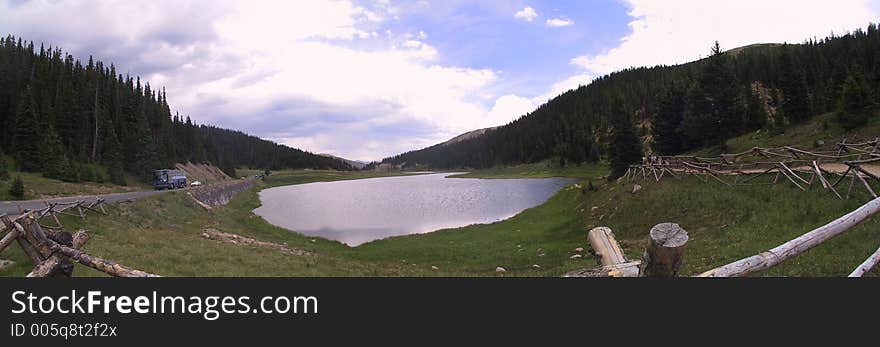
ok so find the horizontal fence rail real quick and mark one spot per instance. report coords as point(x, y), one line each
point(798, 245)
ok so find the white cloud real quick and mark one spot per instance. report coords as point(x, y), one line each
point(330, 76)
point(563, 86)
point(287, 71)
point(677, 31)
point(527, 14)
point(508, 108)
point(558, 22)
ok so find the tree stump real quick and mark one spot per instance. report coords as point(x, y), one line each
point(664, 251)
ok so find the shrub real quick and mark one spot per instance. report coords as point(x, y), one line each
point(4, 173)
point(87, 173)
point(856, 103)
point(589, 187)
point(17, 188)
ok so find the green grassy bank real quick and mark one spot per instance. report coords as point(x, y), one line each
point(162, 234)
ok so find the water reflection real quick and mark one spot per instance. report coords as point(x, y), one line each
point(359, 211)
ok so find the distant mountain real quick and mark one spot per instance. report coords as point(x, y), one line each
point(467, 136)
point(738, 50)
point(357, 164)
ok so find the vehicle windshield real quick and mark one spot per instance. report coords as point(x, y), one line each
point(160, 176)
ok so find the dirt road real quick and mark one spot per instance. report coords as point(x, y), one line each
point(12, 207)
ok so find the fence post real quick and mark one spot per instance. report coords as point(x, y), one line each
point(664, 251)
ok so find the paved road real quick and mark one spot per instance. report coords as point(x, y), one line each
point(12, 207)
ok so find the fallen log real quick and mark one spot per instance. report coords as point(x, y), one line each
point(605, 246)
point(616, 270)
point(611, 257)
point(37, 238)
point(796, 246)
point(51, 266)
point(7, 239)
point(28, 250)
point(106, 266)
point(13, 225)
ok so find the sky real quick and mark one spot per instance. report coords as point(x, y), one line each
point(366, 79)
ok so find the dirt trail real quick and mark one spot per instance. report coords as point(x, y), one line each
point(841, 168)
point(838, 168)
point(217, 235)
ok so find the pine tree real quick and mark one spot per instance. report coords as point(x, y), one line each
point(699, 121)
point(26, 137)
point(112, 158)
point(228, 167)
point(145, 160)
point(55, 162)
point(756, 112)
point(668, 138)
point(856, 102)
point(795, 92)
point(713, 112)
point(17, 188)
point(625, 146)
point(720, 84)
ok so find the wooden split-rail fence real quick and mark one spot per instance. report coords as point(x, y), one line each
point(52, 249)
point(800, 167)
point(664, 251)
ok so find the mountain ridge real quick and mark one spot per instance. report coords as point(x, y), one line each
point(770, 86)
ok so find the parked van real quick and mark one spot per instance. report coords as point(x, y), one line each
point(168, 179)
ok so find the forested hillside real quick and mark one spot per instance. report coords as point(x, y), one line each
point(58, 114)
point(673, 109)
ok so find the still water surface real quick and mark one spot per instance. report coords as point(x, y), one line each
point(360, 211)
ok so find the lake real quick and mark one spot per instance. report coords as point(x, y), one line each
point(359, 211)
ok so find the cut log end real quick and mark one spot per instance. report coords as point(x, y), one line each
point(664, 251)
point(669, 235)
